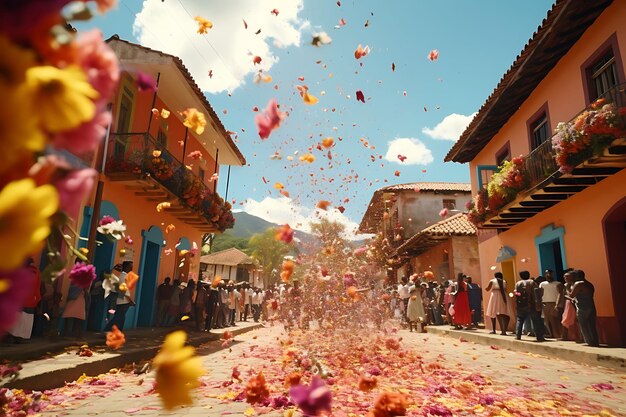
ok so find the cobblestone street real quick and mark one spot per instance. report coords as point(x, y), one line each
point(497, 379)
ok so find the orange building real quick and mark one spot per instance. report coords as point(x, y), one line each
point(148, 158)
point(563, 203)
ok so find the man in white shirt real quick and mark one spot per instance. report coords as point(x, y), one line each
point(123, 299)
point(405, 294)
point(255, 300)
point(551, 291)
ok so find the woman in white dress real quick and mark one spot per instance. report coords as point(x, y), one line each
point(415, 308)
point(497, 307)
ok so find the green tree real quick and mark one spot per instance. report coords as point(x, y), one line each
point(270, 253)
point(227, 241)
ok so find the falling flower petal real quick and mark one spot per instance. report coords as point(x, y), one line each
point(359, 96)
point(323, 204)
point(433, 55)
point(203, 25)
point(360, 52)
point(284, 233)
point(162, 206)
point(115, 338)
point(194, 120)
point(320, 39)
point(269, 120)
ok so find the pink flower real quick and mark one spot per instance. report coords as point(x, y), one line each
point(433, 55)
point(82, 275)
point(359, 96)
point(85, 137)
point(72, 189)
point(145, 82)
point(195, 155)
point(98, 60)
point(269, 120)
point(15, 287)
point(443, 212)
point(313, 399)
point(106, 220)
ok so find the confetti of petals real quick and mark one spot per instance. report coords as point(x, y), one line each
point(145, 82)
point(177, 370)
point(257, 60)
point(236, 374)
point(279, 186)
point(433, 55)
point(257, 389)
point(443, 212)
point(284, 193)
point(115, 338)
point(328, 142)
point(287, 270)
point(165, 113)
point(323, 204)
point(195, 155)
point(262, 77)
point(170, 228)
point(342, 22)
point(203, 25)
point(360, 52)
point(284, 233)
point(216, 281)
point(194, 120)
point(367, 382)
point(393, 67)
point(306, 97)
point(275, 12)
point(314, 399)
point(402, 158)
point(269, 120)
point(162, 206)
point(396, 173)
point(308, 158)
point(390, 404)
point(360, 96)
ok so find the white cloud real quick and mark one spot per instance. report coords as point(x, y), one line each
point(415, 151)
point(450, 128)
point(228, 48)
point(284, 210)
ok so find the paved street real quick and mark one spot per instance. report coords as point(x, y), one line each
point(439, 375)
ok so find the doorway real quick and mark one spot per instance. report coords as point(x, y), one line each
point(148, 289)
point(614, 225)
point(550, 245)
point(508, 272)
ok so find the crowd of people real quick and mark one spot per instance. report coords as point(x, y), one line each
point(540, 307)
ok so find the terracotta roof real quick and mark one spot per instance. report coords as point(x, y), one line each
point(183, 69)
point(228, 257)
point(559, 31)
point(457, 225)
point(430, 186)
point(375, 208)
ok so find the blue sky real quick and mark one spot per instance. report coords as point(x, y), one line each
point(477, 42)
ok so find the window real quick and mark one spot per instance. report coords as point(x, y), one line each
point(484, 174)
point(539, 131)
point(603, 75)
point(503, 154)
point(449, 204)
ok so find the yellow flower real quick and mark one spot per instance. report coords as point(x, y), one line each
point(25, 211)
point(203, 24)
point(64, 97)
point(177, 370)
point(194, 120)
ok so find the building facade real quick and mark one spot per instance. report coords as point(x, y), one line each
point(158, 176)
point(561, 203)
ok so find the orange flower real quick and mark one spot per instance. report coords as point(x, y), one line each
point(389, 404)
point(308, 158)
point(194, 120)
point(367, 382)
point(361, 52)
point(284, 233)
point(256, 389)
point(328, 142)
point(293, 379)
point(287, 270)
point(306, 97)
point(115, 338)
point(279, 186)
point(216, 281)
point(203, 25)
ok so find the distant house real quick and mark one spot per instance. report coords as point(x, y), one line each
point(144, 161)
point(547, 152)
point(398, 212)
point(446, 248)
point(232, 265)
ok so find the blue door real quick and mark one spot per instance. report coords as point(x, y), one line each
point(150, 276)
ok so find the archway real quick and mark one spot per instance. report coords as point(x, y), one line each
point(614, 226)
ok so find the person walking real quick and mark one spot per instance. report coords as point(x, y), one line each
point(124, 302)
point(462, 315)
point(550, 292)
point(528, 305)
point(583, 292)
point(415, 308)
point(497, 308)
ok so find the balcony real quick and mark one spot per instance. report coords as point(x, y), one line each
point(153, 173)
point(551, 175)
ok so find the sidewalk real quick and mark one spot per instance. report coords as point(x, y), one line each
point(614, 358)
point(50, 363)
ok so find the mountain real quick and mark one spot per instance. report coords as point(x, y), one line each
point(247, 225)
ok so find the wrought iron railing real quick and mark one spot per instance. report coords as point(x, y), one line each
point(139, 155)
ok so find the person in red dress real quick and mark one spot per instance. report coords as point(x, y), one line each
point(462, 314)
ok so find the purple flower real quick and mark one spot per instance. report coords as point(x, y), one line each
point(312, 399)
point(436, 410)
point(82, 275)
point(145, 82)
point(15, 287)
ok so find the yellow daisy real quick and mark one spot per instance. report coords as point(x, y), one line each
point(64, 97)
point(194, 120)
point(25, 212)
point(177, 370)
